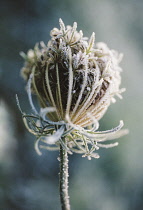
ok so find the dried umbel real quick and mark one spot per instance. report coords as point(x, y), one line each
point(75, 82)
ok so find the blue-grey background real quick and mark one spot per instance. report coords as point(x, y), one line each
point(30, 182)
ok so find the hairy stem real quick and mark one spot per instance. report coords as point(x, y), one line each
point(63, 178)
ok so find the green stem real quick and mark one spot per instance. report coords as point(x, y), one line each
point(63, 178)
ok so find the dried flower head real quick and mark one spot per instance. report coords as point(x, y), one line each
point(75, 82)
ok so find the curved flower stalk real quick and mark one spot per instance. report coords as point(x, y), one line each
point(75, 81)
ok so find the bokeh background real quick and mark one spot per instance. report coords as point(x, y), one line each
point(30, 182)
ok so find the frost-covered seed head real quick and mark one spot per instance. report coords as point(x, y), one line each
point(95, 74)
point(77, 77)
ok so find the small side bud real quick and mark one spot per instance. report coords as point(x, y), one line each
point(74, 26)
point(23, 55)
point(62, 25)
point(91, 42)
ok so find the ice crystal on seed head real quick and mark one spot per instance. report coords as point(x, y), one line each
point(80, 80)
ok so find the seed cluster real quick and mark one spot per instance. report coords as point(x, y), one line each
point(75, 81)
point(95, 74)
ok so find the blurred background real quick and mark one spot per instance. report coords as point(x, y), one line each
point(29, 181)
